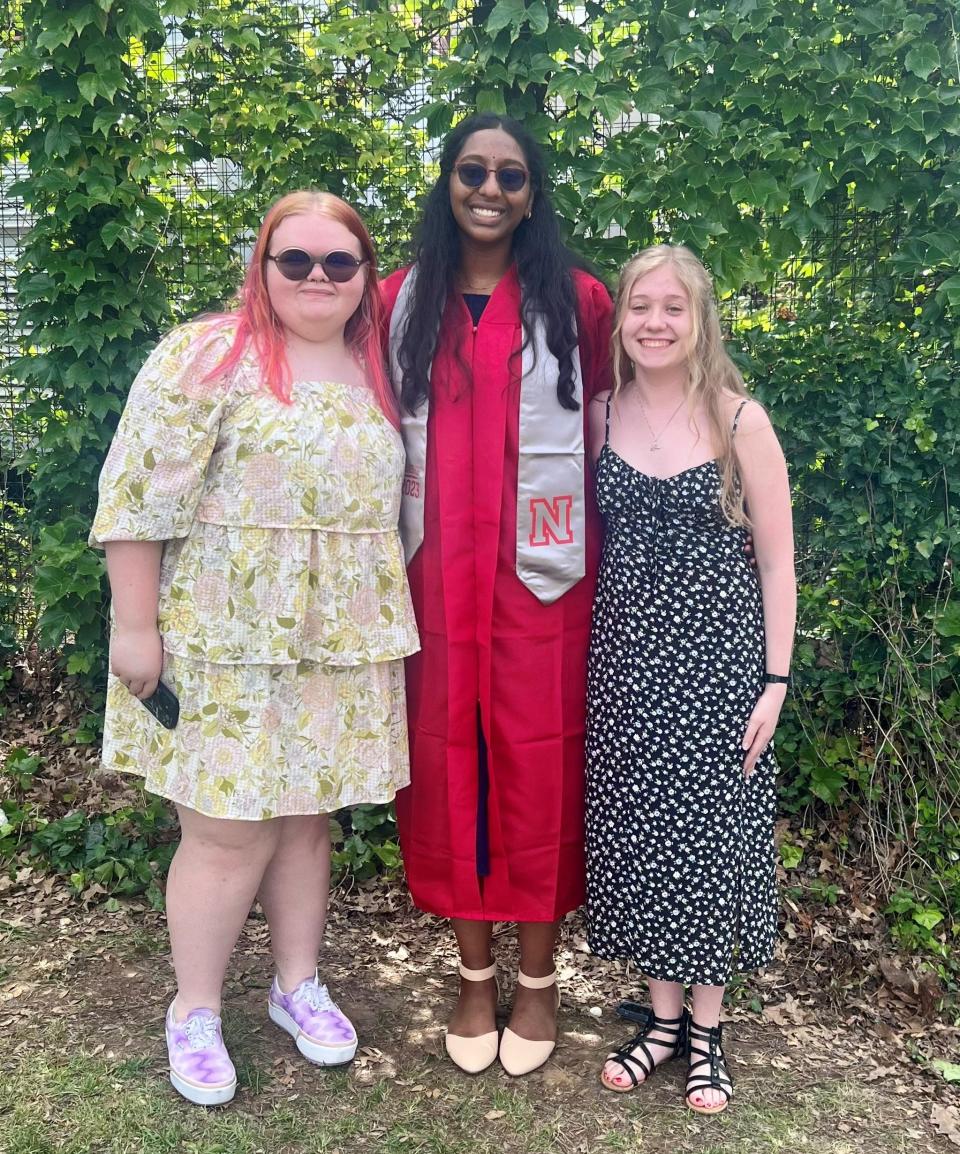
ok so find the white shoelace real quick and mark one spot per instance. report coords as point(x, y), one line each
point(315, 995)
point(201, 1032)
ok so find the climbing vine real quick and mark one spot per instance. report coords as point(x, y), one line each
point(92, 287)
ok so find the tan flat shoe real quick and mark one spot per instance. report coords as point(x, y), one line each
point(473, 1055)
point(521, 1055)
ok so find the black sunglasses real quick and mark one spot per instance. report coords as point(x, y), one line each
point(297, 264)
point(473, 175)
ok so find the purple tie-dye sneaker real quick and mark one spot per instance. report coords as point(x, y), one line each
point(323, 1033)
point(200, 1067)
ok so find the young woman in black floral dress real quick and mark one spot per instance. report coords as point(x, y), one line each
point(690, 651)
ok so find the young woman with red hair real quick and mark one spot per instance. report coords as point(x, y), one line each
point(248, 508)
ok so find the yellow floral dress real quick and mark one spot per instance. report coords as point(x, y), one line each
point(284, 607)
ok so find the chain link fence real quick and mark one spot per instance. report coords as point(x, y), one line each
point(14, 545)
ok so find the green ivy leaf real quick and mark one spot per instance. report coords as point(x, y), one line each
point(791, 104)
point(506, 14)
point(948, 621)
point(950, 288)
point(538, 17)
point(758, 189)
point(105, 119)
point(491, 100)
point(923, 59)
point(710, 122)
point(89, 86)
point(696, 233)
point(815, 181)
point(60, 139)
point(115, 230)
point(55, 37)
point(827, 784)
point(790, 855)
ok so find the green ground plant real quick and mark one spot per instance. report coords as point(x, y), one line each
point(869, 415)
point(125, 850)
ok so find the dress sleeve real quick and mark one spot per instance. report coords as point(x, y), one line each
point(153, 476)
point(595, 326)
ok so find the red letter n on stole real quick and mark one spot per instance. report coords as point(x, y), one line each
point(550, 521)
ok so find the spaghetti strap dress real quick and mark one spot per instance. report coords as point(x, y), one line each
point(680, 853)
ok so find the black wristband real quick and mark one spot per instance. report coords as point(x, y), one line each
point(776, 679)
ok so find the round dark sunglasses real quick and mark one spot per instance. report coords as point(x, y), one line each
point(473, 175)
point(297, 264)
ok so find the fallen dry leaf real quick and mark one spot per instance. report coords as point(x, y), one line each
point(947, 1121)
point(880, 1072)
point(897, 977)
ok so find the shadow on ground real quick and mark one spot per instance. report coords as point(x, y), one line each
point(83, 994)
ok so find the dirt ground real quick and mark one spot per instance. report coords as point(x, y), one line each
point(819, 1064)
point(844, 1045)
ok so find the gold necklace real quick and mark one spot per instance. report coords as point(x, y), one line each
point(655, 437)
point(478, 290)
point(483, 286)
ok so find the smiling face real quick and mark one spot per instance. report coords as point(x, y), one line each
point(315, 308)
point(657, 329)
point(488, 215)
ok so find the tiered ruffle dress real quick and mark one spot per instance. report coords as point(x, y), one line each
point(284, 606)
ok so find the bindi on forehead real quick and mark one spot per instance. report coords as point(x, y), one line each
point(492, 159)
point(493, 146)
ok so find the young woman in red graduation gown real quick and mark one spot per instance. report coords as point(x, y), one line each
point(498, 342)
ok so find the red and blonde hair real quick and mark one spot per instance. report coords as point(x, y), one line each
point(258, 325)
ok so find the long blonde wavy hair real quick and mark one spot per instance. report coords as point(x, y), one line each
point(712, 374)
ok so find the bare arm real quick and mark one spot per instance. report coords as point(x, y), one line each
point(150, 485)
point(767, 491)
point(597, 426)
point(136, 650)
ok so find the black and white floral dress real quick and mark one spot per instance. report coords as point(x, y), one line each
point(680, 855)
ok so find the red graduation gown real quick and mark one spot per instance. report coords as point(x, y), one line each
point(490, 649)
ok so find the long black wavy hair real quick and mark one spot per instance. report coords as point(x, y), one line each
point(543, 261)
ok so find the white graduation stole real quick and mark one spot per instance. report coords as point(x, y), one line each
point(551, 502)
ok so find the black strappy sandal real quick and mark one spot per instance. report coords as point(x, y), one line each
point(637, 1050)
point(715, 1060)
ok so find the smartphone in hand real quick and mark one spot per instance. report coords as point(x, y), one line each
point(164, 706)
